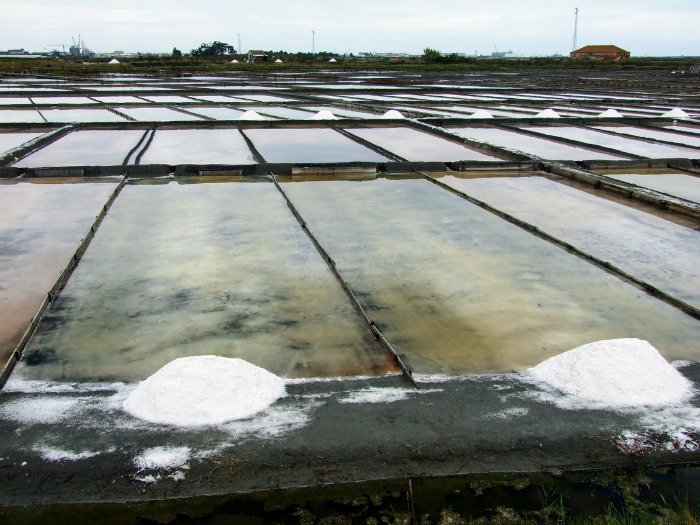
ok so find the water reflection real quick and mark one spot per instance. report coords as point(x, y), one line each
point(655, 250)
point(459, 290)
point(198, 146)
point(84, 148)
point(197, 269)
point(309, 145)
point(41, 225)
point(677, 184)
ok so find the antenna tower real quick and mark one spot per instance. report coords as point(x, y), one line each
point(313, 42)
point(575, 29)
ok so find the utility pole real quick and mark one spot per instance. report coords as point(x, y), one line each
point(575, 29)
point(313, 42)
point(239, 43)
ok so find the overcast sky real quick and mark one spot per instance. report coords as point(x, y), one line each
point(643, 27)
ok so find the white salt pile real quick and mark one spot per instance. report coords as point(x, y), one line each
point(234, 61)
point(547, 113)
point(332, 60)
point(114, 61)
point(278, 60)
point(324, 114)
point(392, 114)
point(480, 113)
point(616, 373)
point(251, 115)
point(204, 390)
point(676, 113)
point(610, 113)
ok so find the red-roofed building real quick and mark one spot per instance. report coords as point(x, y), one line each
point(600, 53)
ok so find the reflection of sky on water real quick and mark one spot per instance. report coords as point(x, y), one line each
point(41, 225)
point(459, 290)
point(85, 148)
point(660, 252)
point(198, 146)
point(309, 145)
point(198, 269)
point(678, 184)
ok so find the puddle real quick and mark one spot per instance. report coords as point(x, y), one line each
point(626, 145)
point(309, 145)
point(650, 248)
point(198, 146)
point(417, 146)
point(182, 269)
point(85, 148)
point(41, 225)
point(543, 148)
point(279, 112)
point(458, 290)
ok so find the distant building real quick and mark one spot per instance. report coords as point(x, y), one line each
point(600, 53)
point(256, 55)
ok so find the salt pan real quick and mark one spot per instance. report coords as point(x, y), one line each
point(204, 390)
point(616, 373)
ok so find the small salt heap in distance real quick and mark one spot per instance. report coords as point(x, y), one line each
point(204, 390)
point(616, 373)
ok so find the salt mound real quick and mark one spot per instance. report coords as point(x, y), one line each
point(676, 113)
point(332, 60)
point(324, 114)
point(616, 373)
point(278, 60)
point(547, 113)
point(480, 113)
point(392, 114)
point(114, 61)
point(251, 115)
point(204, 390)
point(234, 61)
point(609, 113)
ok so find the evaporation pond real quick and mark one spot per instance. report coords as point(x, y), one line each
point(309, 145)
point(20, 115)
point(547, 149)
point(80, 115)
point(458, 290)
point(198, 146)
point(668, 136)
point(200, 268)
point(85, 148)
point(41, 224)
point(10, 141)
point(623, 144)
point(655, 250)
point(678, 184)
point(415, 145)
point(156, 114)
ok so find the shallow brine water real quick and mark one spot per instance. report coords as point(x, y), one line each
point(85, 148)
point(540, 147)
point(309, 145)
point(41, 224)
point(415, 145)
point(677, 184)
point(198, 146)
point(459, 290)
point(650, 248)
point(185, 269)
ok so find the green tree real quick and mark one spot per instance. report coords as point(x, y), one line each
point(177, 53)
point(431, 55)
point(214, 49)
